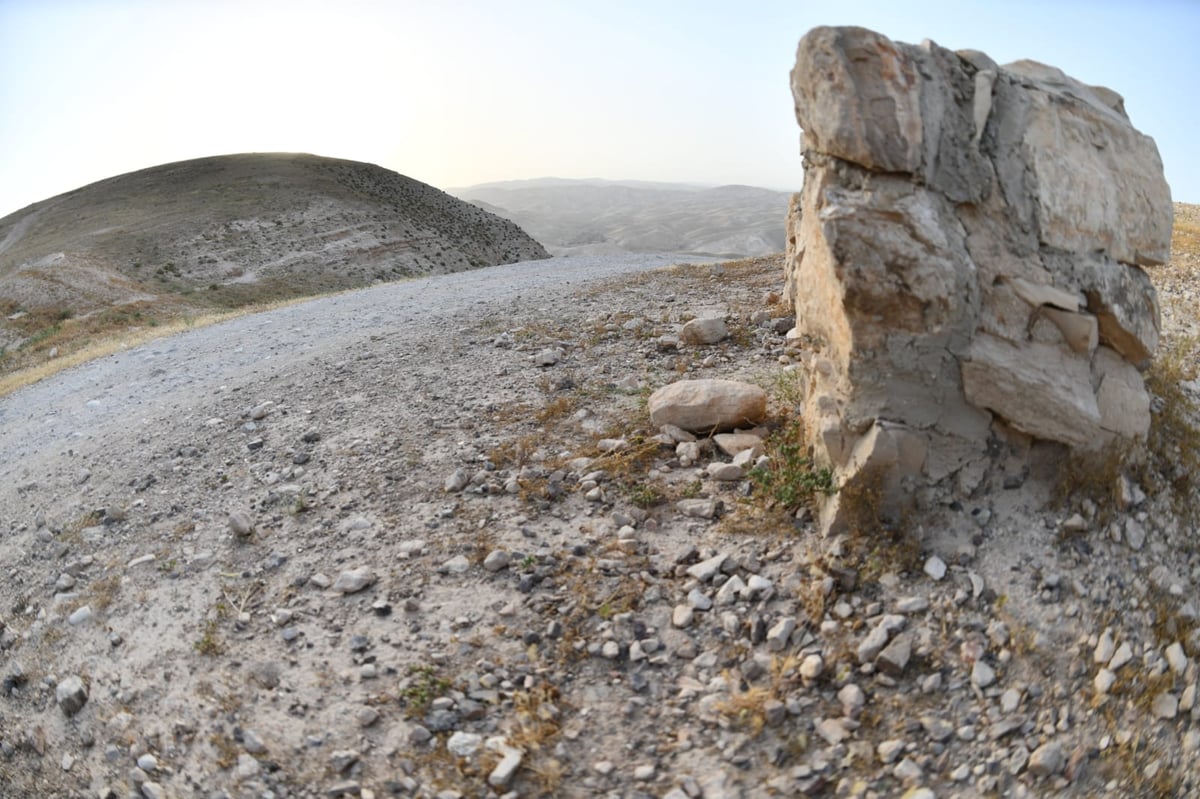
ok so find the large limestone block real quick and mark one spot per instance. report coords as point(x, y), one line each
point(704, 406)
point(1039, 389)
point(1121, 395)
point(1081, 331)
point(873, 263)
point(1125, 303)
point(965, 258)
point(893, 108)
point(857, 97)
point(1099, 181)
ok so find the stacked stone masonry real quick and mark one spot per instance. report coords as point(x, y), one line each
point(966, 258)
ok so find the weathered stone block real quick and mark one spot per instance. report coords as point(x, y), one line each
point(706, 406)
point(965, 258)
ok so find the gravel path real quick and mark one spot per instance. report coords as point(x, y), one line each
point(151, 382)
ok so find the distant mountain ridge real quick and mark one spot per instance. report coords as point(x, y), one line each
point(229, 230)
point(597, 216)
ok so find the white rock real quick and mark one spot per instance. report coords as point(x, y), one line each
point(688, 452)
point(889, 751)
point(852, 698)
point(704, 331)
point(705, 406)
point(497, 560)
point(510, 761)
point(1135, 533)
point(982, 674)
point(873, 644)
point(463, 744)
point(1165, 706)
point(729, 591)
point(547, 357)
point(725, 472)
point(1047, 759)
point(677, 434)
point(705, 570)
point(697, 508)
point(457, 481)
point(253, 742)
point(907, 771)
point(833, 731)
point(1176, 658)
point(1123, 655)
point(935, 567)
point(241, 524)
point(733, 444)
point(1187, 699)
point(699, 600)
point(644, 772)
point(456, 565)
point(354, 580)
point(1104, 681)
point(248, 767)
point(1105, 648)
point(780, 632)
point(757, 587)
point(811, 667)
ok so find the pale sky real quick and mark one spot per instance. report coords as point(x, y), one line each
point(456, 92)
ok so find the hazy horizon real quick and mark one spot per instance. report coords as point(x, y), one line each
point(461, 93)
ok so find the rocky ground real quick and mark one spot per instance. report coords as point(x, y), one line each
point(470, 567)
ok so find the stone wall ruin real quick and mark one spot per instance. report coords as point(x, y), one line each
point(966, 259)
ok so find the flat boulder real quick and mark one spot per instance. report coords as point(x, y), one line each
point(707, 406)
point(709, 330)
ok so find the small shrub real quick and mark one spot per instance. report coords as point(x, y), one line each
point(792, 479)
point(644, 495)
point(423, 685)
point(1173, 445)
point(209, 643)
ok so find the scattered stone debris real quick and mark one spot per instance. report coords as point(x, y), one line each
point(462, 592)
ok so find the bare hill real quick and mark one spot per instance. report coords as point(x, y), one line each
point(224, 232)
point(597, 216)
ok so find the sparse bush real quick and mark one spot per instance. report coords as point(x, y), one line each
point(792, 479)
point(423, 685)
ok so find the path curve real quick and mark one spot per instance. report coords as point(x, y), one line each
point(149, 383)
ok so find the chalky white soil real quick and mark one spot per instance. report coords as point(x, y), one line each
point(360, 630)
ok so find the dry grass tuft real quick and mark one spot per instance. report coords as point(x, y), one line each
point(746, 706)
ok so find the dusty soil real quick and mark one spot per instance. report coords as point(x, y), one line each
point(423, 542)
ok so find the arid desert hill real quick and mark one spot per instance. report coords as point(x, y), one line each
point(597, 216)
point(224, 232)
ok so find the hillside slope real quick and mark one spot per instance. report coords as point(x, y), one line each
point(223, 232)
point(594, 216)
